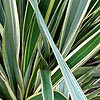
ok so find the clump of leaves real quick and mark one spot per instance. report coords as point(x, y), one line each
point(49, 49)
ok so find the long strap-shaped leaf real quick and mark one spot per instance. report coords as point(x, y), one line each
point(73, 86)
point(47, 92)
point(11, 45)
point(72, 23)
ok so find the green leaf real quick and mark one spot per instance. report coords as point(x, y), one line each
point(31, 44)
point(11, 45)
point(85, 51)
point(51, 4)
point(56, 18)
point(93, 94)
point(93, 5)
point(33, 76)
point(38, 81)
point(38, 96)
point(27, 21)
point(96, 97)
point(43, 62)
point(87, 76)
point(5, 88)
point(89, 24)
point(82, 71)
point(86, 36)
point(59, 96)
point(72, 85)
point(1, 14)
point(21, 4)
point(47, 91)
point(2, 70)
point(72, 23)
point(19, 93)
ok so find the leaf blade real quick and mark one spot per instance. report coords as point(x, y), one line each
point(47, 92)
point(11, 44)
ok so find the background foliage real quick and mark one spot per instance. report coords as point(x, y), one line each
point(49, 49)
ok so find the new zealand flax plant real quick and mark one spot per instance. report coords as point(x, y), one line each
point(49, 49)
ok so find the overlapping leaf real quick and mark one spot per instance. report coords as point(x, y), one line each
point(11, 45)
